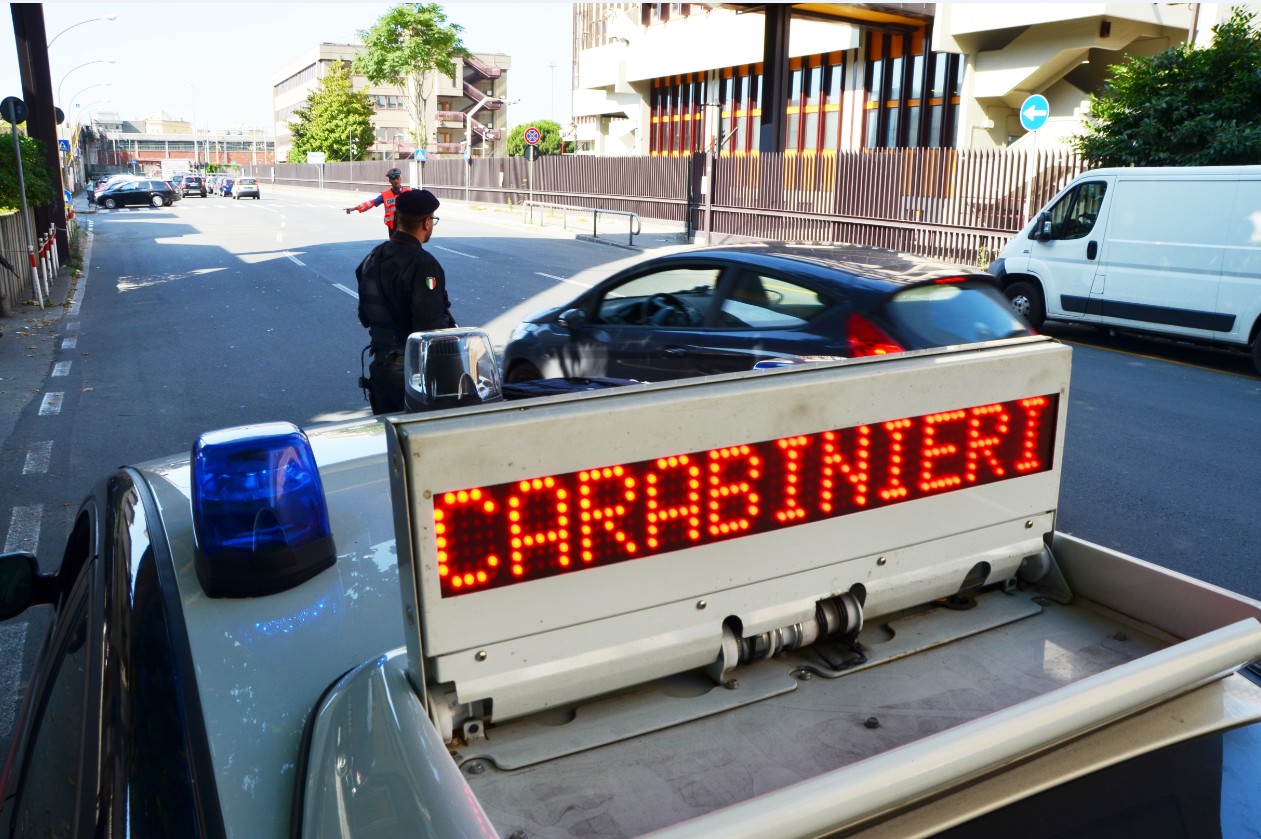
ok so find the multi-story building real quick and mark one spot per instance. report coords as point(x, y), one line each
point(467, 111)
point(112, 144)
point(675, 78)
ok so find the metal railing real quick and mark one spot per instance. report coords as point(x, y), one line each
point(634, 225)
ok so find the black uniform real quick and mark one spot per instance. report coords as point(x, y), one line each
point(402, 289)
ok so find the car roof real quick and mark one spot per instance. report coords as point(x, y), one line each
point(879, 266)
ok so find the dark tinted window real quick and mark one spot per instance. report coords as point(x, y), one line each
point(759, 301)
point(1074, 215)
point(50, 782)
point(952, 313)
point(670, 297)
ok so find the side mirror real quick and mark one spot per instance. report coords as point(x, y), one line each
point(572, 319)
point(1043, 230)
point(21, 585)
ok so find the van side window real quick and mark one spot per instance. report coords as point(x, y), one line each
point(1073, 216)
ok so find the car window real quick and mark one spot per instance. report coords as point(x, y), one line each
point(759, 301)
point(50, 782)
point(672, 297)
point(952, 313)
point(1074, 215)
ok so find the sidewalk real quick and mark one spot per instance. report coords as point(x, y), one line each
point(653, 234)
point(30, 338)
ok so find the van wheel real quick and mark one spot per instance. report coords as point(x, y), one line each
point(1026, 299)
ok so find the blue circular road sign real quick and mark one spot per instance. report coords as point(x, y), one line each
point(1034, 112)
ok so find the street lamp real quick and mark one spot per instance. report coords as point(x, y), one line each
point(72, 69)
point(89, 87)
point(80, 23)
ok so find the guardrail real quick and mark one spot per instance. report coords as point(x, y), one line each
point(634, 226)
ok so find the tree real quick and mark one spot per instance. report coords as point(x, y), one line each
point(549, 138)
point(335, 120)
point(1186, 106)
point(406, 47)
point(40, 184)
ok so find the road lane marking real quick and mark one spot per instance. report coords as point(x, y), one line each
point(563, 279)
point(61, 368)
point(69, 343)
point(38, 456)
point(353, 294)
point(295, 259)
point(452, 250)
point(24, 529)
point(51, 404)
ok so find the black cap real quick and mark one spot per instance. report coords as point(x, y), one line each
point(417, 202)
point(394, 173)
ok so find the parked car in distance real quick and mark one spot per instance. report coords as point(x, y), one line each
point(138, 193)
point(723, 309)
point(192, 185)
point(245, 188)
point(225, 187)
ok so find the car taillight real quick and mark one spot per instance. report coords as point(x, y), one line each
point(865, 338)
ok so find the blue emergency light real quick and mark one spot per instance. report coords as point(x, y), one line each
point(259, 513)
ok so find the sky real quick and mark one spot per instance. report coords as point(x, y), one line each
point(213, 63)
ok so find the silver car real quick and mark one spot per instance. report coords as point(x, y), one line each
point(245, 188)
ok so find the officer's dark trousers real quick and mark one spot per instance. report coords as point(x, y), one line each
point(385, 377)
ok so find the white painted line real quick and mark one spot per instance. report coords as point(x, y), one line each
point(38, 456)
point(12, 641)
point(563, 279)
point(24, 529)
point(295, 259)
point(72, 326)
point(51, 404)
point(69, 343)
point(452, 250)
point(353, 294)
point(61, 368)
point(280, 237)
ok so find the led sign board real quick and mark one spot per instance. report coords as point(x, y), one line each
point(523, 530)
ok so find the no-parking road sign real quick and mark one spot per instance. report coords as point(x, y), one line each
point(532, 136)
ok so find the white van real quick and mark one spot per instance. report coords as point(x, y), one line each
point(1172, 251)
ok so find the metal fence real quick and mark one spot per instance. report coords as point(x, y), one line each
point(962, 206)
point(15, 285)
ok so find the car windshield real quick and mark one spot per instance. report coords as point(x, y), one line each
point(952, 313)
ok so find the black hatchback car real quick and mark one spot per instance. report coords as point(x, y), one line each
point(138, 193)
point(723, 309)
point(192, 185)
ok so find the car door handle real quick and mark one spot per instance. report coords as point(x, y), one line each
point(674, 351)
point(1092, 250)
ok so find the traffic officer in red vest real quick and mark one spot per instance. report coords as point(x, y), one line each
point(387, 198)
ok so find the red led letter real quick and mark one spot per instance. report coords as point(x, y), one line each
point(539, 526)
point(934, 450)
point(604, 496)
point(737, 494)
point(674, 497)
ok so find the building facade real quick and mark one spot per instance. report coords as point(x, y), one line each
point(110, 143)
point(468, 111)
point(678, 78)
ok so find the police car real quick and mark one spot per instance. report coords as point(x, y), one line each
point(825, 599)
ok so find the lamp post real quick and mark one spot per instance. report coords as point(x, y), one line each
point(468, 139)
point(80, 23)
point(72, 69)
point(89, 87)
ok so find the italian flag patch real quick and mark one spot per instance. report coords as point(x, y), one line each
point(431, 283)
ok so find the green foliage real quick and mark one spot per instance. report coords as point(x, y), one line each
point(1185, 106)
point(41, 184)
point(334, 117)
point(405, 48)
point(549, 138)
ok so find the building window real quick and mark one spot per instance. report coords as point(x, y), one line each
point(815, 86)
point(678, 105)
point(900, 71)
point(739, 109)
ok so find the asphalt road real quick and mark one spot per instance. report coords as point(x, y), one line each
point(217, 312)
